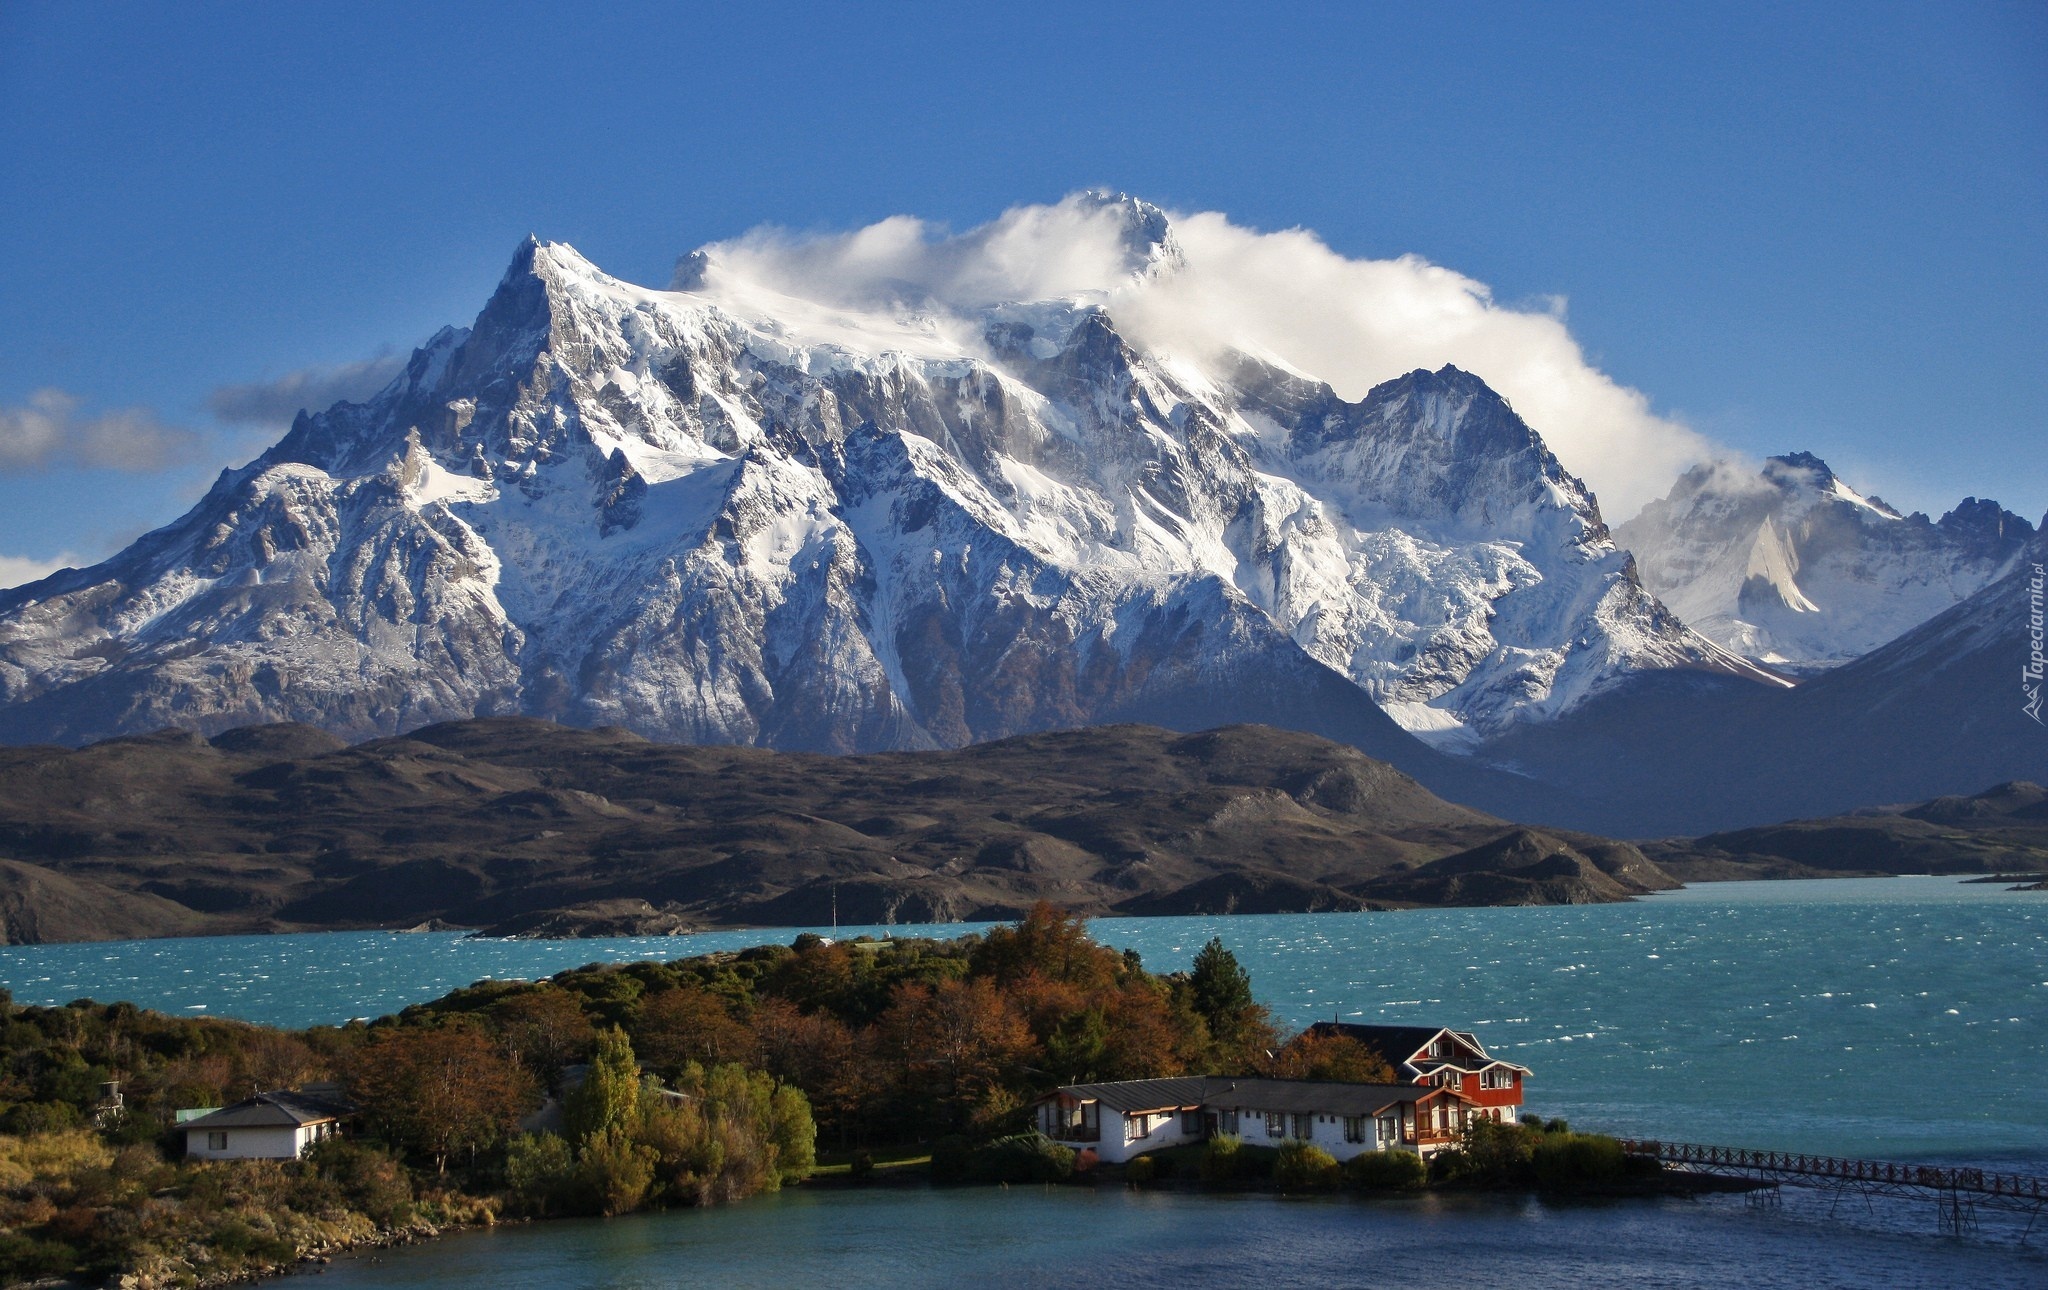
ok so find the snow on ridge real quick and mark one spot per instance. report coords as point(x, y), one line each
point(1790, 567)
point(723, 513)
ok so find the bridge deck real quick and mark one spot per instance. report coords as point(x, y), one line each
point(2021, 1192)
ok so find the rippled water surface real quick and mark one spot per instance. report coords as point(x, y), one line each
point(1903, 1017)
point(1074, 1237)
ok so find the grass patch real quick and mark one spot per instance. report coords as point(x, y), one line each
point(840, 1163)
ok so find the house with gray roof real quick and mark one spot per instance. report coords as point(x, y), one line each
point(269, 1126)
point(1124, 1119)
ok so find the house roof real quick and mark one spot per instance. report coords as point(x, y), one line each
point(1285, 1096)
point(1317, 1097)
point(1131, 1096)
point(273, 1110)
point(1430, 1065)
point(1401, 1046)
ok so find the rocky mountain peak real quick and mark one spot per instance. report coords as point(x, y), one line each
point(728, 517)
point(1790, 565)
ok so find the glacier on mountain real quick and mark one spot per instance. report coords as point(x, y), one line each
point(724, 512)
point(1791, 567)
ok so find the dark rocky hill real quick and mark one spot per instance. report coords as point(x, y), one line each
point(2001, 830)
point(538, 828)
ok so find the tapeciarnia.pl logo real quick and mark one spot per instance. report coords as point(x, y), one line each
point(2030, 676)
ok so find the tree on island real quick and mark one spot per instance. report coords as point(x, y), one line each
point(609, 1097)
point(438, 1091)
point(1221, 995)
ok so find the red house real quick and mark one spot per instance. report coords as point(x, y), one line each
point(1453, 1059)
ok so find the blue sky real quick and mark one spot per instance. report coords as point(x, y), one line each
point(1793, 227)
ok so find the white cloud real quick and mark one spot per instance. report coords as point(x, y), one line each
point(16, 570)
point(273, 404)
point(1217, 286)
point(48, 432)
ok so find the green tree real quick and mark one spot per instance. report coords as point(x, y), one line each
point(1222, 988)
point(1220, 992)
point(609, 1096)
point(793, 1132)
point(615, 1171)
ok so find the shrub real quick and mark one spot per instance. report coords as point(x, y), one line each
point(1141, 1171)
point(1221, 1159)
point(861, 1165)
point(1020, 1158)
point(371, 1180)
point(1386, 1171)
point(1452, 1166)
point(1304, 1166)
point(1565, 1160)
point(1498, 1154)
point(541, 1170)
point(30, 1118)
point(613, 1172)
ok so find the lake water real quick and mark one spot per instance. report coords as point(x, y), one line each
point(1898, 1018)
point(1903, 1018)
point(1066, 1236)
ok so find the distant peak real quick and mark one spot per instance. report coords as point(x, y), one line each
point(1147, 233)
point(537, 258)
point(1805, 463)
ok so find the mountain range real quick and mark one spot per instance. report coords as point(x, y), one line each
point(1793, 568)
point(723, 514)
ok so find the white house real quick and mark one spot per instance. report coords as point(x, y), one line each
point(268, 1126)
point(1128, 1118)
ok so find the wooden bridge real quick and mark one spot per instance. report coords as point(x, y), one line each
point(1958, 1192)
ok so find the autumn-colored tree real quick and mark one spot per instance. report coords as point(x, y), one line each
point(1333, 1057)
point(834, 1064)
point(440, 1090)
point(609, 1096)
point(958, 1043)
point(544, 1029)
point(1047, 943)
point(1143, 1037)
point(687, 1024)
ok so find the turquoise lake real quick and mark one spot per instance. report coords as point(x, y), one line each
point(1905, 1018)
point(1898, 1018)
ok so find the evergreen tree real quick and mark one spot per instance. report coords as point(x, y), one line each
point(1220, 993)
point(1222, 988)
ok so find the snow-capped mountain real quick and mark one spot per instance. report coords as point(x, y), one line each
point(1949, 707)
point(720, 512)
point(1792, 567)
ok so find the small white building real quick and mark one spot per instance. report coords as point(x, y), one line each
point(268, 1126)
point(1127, 1118)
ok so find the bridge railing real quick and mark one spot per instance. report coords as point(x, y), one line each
point(1937, 1177)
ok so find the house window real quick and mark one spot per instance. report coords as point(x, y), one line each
point(1276, 1125)
point(1226, 1121)
point(1497, 1077)
point(1354, 1128)
point(1304, 1126)
point(1191, 1123)
point(1447, 1078)
point(217, 1140)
